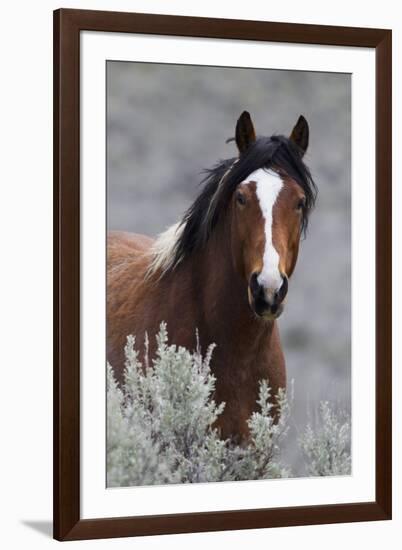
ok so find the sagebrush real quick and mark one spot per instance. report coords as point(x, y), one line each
point(160, 426)
point(326, 443)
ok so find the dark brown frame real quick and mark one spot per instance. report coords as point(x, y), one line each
point(67, 27)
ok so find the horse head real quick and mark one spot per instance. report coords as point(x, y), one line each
point(269, 209)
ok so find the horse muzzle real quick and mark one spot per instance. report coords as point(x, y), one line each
point(266, 302)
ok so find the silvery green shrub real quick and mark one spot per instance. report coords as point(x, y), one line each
point(326, 444)
point(160, 423)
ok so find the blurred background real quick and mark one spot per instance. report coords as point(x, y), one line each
point(165, 123)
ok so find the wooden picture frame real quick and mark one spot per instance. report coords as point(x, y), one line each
point(68, 24)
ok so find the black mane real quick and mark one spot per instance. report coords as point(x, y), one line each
point(277, 152)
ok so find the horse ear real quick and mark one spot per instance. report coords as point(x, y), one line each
point(300, 134)
point(245, 133)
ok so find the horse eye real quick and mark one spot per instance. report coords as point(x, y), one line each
point(240, 198)
point(301, 204)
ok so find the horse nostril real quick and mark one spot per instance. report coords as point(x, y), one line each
point(255, 287)
point(281, 293)
point(266, 300)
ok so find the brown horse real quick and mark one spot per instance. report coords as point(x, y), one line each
point(223, 269)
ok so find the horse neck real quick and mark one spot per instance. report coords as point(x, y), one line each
point(222, 296)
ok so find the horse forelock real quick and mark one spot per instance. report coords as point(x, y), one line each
point(277, 153)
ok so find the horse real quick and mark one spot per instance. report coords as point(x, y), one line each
point(223, 270)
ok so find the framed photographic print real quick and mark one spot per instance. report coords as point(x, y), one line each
point(222, 239)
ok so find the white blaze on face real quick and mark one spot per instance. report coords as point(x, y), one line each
point(268, 188)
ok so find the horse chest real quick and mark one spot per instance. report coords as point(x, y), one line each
point(238, 371)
